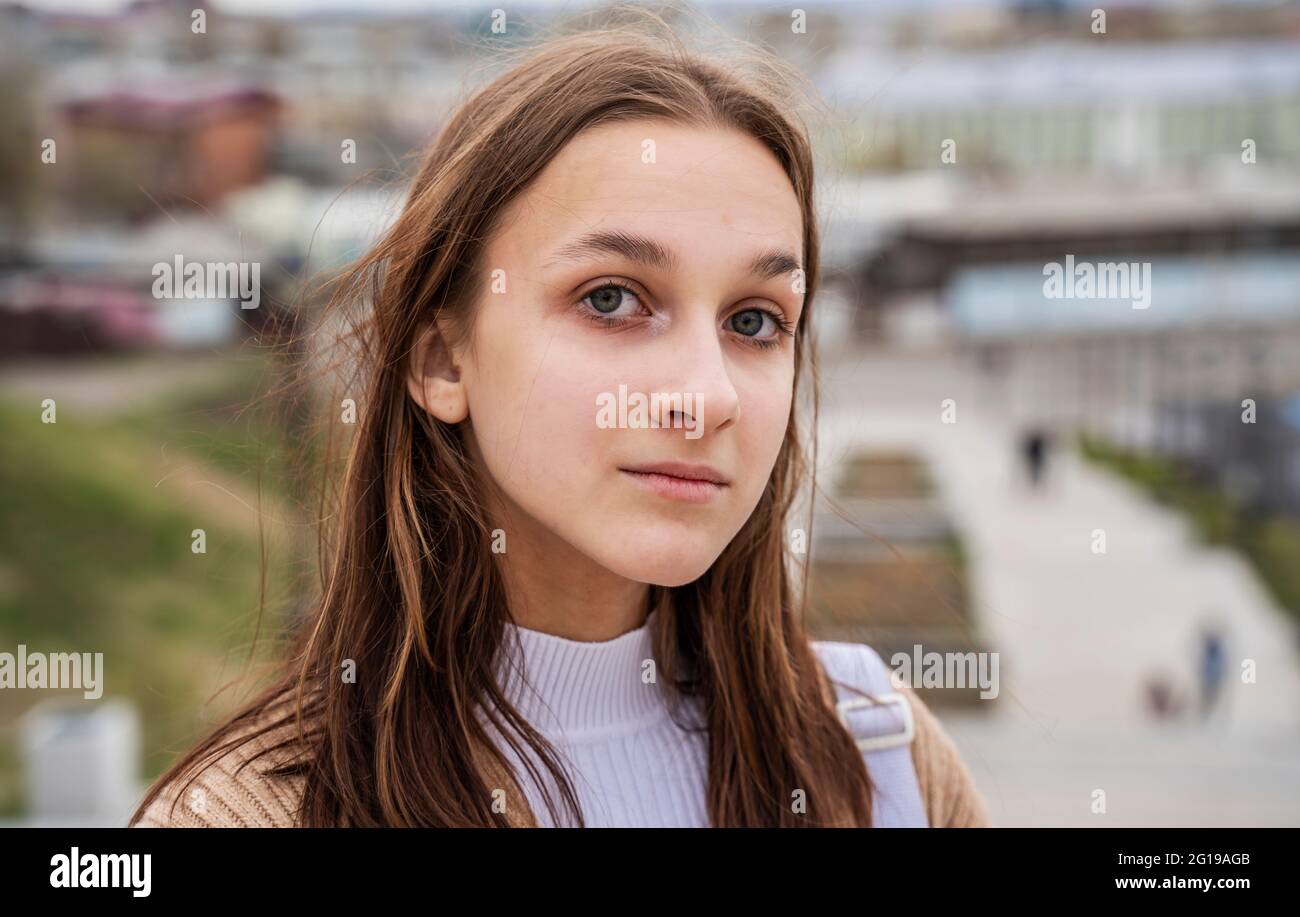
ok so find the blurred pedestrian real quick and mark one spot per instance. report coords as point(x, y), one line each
point(1164, 701)
point(1034, 445)
point(1211, 667)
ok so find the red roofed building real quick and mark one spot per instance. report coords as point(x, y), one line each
point(134, 150)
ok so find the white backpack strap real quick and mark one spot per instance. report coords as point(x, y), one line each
point(883, 727)
point(894, 727)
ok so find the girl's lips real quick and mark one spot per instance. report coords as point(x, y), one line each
point(675, 488)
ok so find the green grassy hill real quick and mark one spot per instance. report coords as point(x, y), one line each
point(95, 551)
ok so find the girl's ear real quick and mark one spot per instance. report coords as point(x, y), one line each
point(433, 379)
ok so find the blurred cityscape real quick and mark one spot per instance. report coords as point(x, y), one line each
point(1098, 481)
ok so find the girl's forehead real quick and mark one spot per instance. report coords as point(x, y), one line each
point(665, 180)
point(653, 158)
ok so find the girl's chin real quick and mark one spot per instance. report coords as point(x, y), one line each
point(660, 566)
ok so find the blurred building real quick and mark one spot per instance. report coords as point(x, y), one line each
point(182, 145)
point(1078, 106)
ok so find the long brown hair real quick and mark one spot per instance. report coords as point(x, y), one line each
point(410, 591)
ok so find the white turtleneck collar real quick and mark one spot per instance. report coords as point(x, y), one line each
point(579, 690)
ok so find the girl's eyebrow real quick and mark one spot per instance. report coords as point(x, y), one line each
point(647, 251)
point(632, 247)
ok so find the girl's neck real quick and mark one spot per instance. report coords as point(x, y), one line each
point(555, 589)
point(582, 615)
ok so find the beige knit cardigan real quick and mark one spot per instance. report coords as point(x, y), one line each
point(219, 798)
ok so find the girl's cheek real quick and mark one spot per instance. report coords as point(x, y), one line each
point(550, 426)
point(765, 414)
point(581, 371)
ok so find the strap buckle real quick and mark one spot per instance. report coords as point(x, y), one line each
point(879, 702)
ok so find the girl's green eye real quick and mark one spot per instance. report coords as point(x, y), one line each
point(603, 304)
point(748, 322)
point(606, 299)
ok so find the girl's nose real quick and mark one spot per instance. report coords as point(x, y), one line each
point(697, 367)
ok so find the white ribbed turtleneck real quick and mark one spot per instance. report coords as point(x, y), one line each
point(578, 691)
point(629, 763)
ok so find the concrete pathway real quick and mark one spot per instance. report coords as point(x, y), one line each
point(1079, 632)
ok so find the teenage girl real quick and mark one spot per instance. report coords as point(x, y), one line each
point(531, 615)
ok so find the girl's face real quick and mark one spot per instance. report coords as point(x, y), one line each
point(635, 320)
